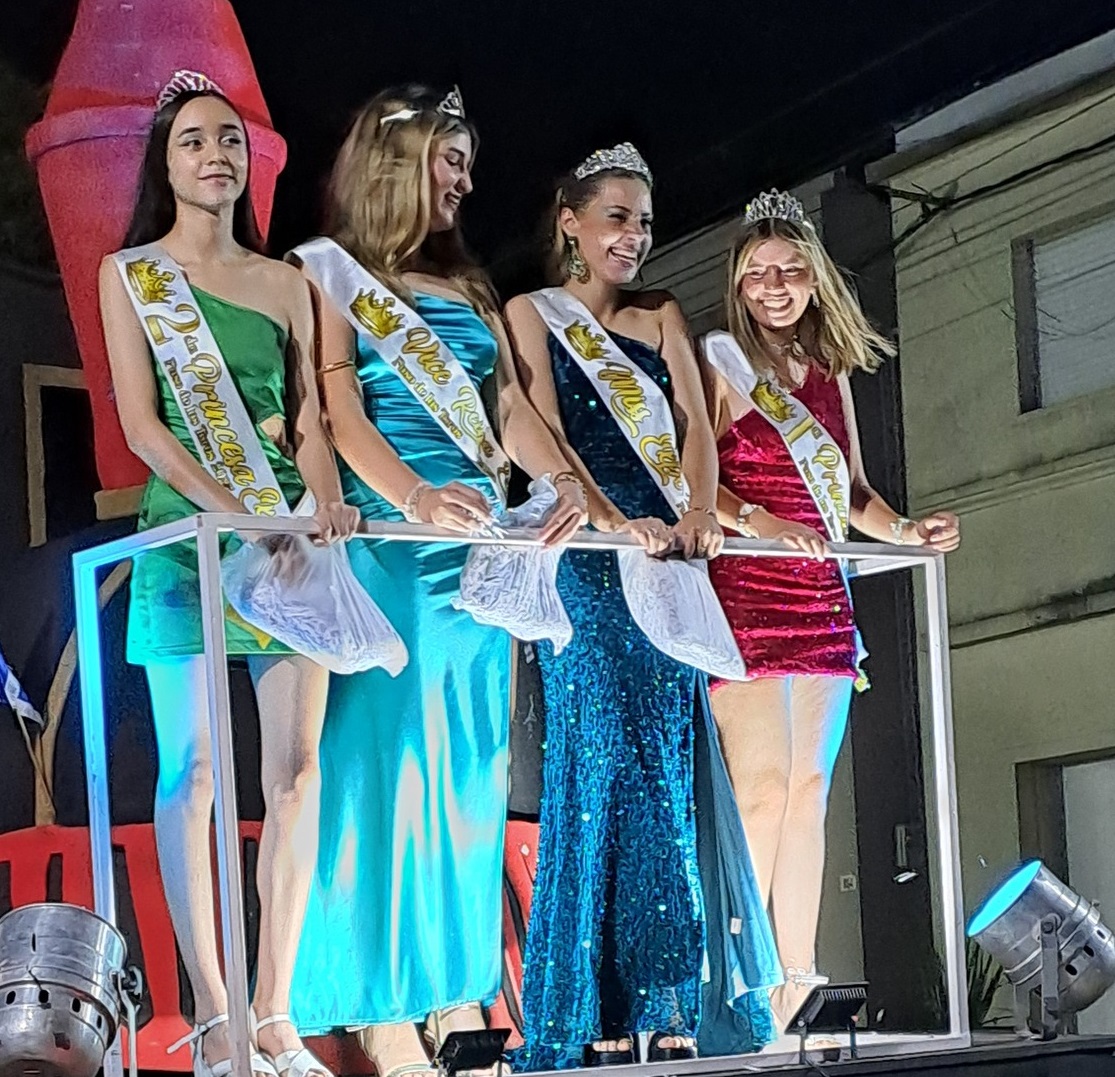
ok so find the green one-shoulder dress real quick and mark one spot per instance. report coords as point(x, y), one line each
point(164, 617)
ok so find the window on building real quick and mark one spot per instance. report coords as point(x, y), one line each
point(61, 475)
point(1065, 314)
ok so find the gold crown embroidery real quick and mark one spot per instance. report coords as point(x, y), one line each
point(769, 401)
point(587, 344)
point(376, 316)
point(149, 283)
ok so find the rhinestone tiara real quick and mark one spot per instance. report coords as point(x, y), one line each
point(185, 82)
point(777, 205)
point(450, 105)
point(623, 157)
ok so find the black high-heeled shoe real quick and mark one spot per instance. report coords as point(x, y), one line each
point(655, 1053)
point(593, 1057)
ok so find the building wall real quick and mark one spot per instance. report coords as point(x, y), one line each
point(1031, 588)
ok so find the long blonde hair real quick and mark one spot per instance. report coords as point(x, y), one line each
point(835, 331)
point(378, 201)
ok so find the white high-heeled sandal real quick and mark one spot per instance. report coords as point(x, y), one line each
point(298, 1063)
point(223, 1067)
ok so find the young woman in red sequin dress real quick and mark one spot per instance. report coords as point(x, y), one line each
point(803, 333)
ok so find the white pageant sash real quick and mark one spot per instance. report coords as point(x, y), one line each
point(637, 404)
point(413, 351)
point(188, 353)
point(819, 460)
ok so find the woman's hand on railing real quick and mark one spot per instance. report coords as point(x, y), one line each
point(568, 515)
point(336, 522)
point(790, 533)
point(697, 534)
point(454, 506)
point(940, 532)
point(654, 535)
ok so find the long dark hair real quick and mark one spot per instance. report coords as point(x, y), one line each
point(155, 209)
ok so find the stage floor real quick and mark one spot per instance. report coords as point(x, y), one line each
point(990, 1055)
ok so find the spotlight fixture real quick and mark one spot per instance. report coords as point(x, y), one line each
point(1054, 948)
point(479, 1050)
point(829, 1008)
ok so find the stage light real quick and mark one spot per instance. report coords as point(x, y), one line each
point(1051, 943)
point(481, 1049)
point(829, 1008)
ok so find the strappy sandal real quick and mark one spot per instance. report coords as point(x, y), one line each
point(222, 1067)
point(593, 1057)
point(436, 1036)
point(656, 1053)
point(297, 1063)
point(364, 1037)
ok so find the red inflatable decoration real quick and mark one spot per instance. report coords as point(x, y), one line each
point(87, 151)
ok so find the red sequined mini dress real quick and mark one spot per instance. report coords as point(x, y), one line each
point(790, 616)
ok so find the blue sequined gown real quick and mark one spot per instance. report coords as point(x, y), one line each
point(404, 912)
point(617, 937)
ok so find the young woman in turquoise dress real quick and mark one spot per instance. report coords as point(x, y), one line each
point(404, 920)
point(193, 200)
point(616, 943)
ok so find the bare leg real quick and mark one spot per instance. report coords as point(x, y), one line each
point(291, 692)
point(391, 1047)
point(183, 809)
point(819, 708)
point(753, 718)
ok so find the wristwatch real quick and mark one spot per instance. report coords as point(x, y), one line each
point(743, 520)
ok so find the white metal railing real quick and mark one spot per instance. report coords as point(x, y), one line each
point(867, 558)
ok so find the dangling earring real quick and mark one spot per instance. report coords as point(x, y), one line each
point(575, 265)
point(813, 299)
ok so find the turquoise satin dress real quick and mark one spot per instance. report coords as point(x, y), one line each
point(404, 912)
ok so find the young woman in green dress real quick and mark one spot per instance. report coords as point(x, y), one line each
point(193, 200)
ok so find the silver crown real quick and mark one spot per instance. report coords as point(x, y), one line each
point(185, 82)
point(777, 205)
point(450, 105)
point(624, 157)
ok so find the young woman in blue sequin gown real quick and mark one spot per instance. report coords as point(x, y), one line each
point(404, 920)
point(620, 923)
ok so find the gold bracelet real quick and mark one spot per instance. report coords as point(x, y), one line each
point(335, 366)
point(707, 512)
point(569, 476)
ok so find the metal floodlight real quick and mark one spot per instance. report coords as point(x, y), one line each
point(829, 1008)
point(1051, 944)
point(478, 1050)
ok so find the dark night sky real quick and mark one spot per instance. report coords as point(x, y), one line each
point(722, 97)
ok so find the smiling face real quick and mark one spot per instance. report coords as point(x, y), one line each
point(776, 284)
point(207, 154)
point(450, 179)
point(613, 229)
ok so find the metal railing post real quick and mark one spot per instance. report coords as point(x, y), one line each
point(224, 781)
point(944, 771)
point(87, 628)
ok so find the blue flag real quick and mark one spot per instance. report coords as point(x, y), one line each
point(16, 696)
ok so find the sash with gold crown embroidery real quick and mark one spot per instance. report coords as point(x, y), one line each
point(819, 460)
point(637, 404)
point(186, 350)
point(413, 351)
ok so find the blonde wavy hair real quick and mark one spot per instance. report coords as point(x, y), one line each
point(378, 200)
point(835, 332)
